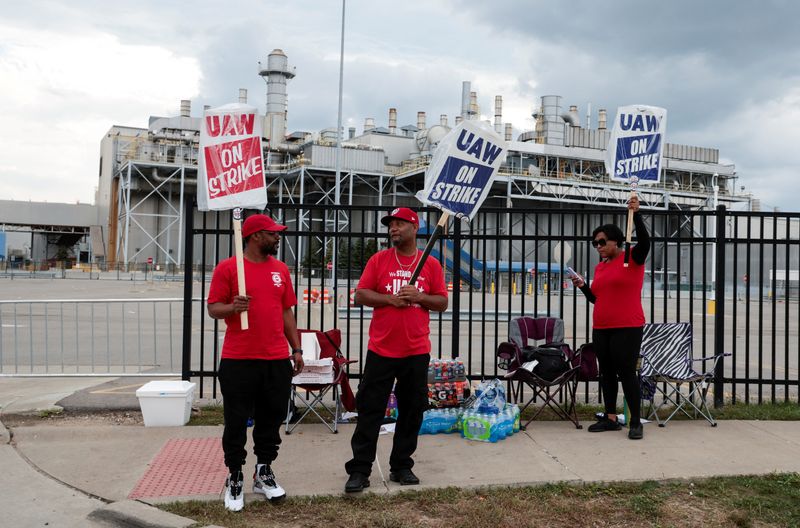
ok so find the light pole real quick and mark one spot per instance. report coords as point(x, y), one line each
point(339, 121)
point(714, 202)
point(337, 190)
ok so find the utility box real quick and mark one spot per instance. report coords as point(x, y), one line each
point(166, 403)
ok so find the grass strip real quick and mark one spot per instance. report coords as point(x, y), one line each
point(745, 501)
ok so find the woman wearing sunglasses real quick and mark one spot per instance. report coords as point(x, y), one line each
point(618, 318)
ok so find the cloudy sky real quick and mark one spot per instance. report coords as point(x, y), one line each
point(728, 72)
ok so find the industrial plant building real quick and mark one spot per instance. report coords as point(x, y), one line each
point(147, 174)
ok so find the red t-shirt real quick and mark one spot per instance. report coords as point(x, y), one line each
point(618, 294)
point(400, 332)
point(270, 289)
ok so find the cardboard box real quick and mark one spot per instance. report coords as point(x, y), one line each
point(315, 371)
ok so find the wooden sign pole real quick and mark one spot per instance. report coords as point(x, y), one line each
point(237, 244)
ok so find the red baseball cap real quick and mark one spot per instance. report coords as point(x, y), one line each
point(401, 213)
point(260, 222)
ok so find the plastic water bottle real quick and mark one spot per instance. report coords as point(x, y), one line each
point(622, 419)
point(493, 428)
point(516, 418)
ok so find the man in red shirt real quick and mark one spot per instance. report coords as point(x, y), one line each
point(399, 349)
point(255, 373)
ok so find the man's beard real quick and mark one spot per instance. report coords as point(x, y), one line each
point(268, 250)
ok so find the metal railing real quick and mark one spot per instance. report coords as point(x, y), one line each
point(90, 337)
point(132, 271)
point(719, 270)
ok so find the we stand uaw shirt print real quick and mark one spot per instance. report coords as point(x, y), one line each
point(400, 278)
point(400, 332)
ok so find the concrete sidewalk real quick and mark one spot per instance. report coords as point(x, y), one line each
point(68, 471)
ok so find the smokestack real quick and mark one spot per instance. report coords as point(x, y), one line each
point(443, 119)
point(276, 74)
point(601, 119)
point(474, 111)
point(243, 95)
point(392, 121)
point(206, 107)
point(186, 108)
point(498, 114)
point(369, 124)
point(588, 116)
point(509, 132)
point(459, 119)
point(465, 87)
point(421, 120)
point(572, 116)
point(351, 132)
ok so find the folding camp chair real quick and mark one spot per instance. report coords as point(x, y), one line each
point(523, 333)
point(667, 365)
point(338, 386)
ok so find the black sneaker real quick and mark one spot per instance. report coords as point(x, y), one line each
point(405, 477)
point(357, 482)
point(604, 425)
point(636, 432)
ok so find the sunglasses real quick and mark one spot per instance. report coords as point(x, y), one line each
point(599, 242)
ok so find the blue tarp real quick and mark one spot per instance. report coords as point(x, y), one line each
point(502, 266)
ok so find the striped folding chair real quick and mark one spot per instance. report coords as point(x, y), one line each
point(667, 367)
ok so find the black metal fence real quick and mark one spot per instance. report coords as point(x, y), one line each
point(733, 275)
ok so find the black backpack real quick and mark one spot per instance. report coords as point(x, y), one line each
point(552, 360)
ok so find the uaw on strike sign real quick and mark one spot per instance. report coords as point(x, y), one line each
point(231, 166)
point(637, 144)
point(463, 168)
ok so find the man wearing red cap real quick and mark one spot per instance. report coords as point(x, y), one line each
point(255, 373)
point(399, 349)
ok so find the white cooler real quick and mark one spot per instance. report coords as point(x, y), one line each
point(166, 402)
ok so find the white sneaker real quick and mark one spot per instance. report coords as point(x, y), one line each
point(264, 482)
point(234, 494)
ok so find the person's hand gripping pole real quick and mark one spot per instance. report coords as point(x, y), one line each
point(431, 241)
point(237, 242)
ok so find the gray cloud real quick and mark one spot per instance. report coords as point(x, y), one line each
point(719, 67)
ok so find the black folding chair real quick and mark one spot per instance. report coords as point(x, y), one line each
point(523, 334)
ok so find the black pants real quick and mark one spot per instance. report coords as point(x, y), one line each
point(411, 391)
point(617, 353)
point(258, 389)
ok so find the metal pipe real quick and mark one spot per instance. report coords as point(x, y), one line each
point(465, 91)
point(588, 116)
point(498, 114)
point(339, 133)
